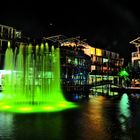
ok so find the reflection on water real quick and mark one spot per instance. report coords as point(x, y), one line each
point(124, 106)
point(124, 111)
point(99, 118)
point(6, 126)
point(95, 120)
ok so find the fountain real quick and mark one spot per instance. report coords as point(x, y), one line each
point(33, 80)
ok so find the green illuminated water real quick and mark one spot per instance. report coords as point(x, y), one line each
point(33, 82)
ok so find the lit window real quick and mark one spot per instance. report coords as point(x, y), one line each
point(69, 60)
point(92, 50)
point(105, 60)
point(93, 67)
point(98, 52)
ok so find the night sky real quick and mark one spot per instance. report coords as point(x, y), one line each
point(107, 24)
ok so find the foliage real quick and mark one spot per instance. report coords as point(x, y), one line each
point(123, 73)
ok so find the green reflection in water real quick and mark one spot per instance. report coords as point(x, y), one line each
point(124, 105)
point(124, 111)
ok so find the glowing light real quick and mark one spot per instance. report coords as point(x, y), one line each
point(123, 73)
point(48, 108)
point(92, 50)
point(98, 52)
point(25, 108)
point(6, 107)
point(62, 105)
point(87, 50)
point(69, 44)
point(33, 84)
point(124, 111)
point(1, 103)
point(8, 44)
point(93, 67)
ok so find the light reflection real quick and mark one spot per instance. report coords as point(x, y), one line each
point(97, 119)
point(124, 111)
point(124, 105)
point(6, 125)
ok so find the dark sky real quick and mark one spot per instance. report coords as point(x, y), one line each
point(107, 24)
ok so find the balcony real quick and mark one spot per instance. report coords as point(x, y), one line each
point(135, 56)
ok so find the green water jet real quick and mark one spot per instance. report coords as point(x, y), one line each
point(33, 84)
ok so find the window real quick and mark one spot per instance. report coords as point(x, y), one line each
point(98, 52)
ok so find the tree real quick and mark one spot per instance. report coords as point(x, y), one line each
point(125, 77)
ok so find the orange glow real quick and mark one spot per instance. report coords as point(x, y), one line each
point(87, 51)
point(69, 44)
point(105, 68)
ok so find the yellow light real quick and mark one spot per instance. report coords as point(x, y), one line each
point(9, 44)
point(92, 50)
point(1, 103)
point(6, 107)
point(87, 51)
point(48, 108)
point(98, 52)
point(62, 105)
point(25, 108)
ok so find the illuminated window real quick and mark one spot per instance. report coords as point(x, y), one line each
point(98, 52)
point(69, 60)
point(105, 60)
point(92, 50)
point(93, 67)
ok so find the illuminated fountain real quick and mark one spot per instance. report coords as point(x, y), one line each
point(33, 80)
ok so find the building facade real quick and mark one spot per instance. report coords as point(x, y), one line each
point(135, 56)
point(105, 65)
point(8, 34)
point(82, 66)
point(75, 65)
point(134, 67)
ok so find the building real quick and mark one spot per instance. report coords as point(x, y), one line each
point(8, 33)
point(75, 65)
point(104, 69)
point(84, 66)
point(105, 65)
point(134, 67)
point(12, 35)
point(135, 56)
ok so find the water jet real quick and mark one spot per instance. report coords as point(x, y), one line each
point(32, 83)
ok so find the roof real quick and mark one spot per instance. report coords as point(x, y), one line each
point(136, 41)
